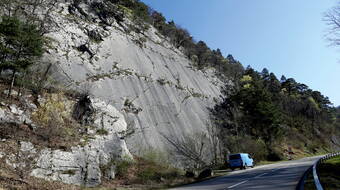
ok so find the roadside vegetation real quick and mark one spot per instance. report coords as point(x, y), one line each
point(266, 117)
point(152, 171)
point(329, 173)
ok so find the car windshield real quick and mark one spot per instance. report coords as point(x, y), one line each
point(234, 157)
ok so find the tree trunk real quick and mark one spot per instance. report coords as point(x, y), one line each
point(19, 91)
point(12, 84)
point(20, 88)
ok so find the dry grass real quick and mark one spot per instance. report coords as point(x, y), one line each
point(147, 173)
point(11, 182)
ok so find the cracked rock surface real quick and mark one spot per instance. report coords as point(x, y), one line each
point(82, 165)
point(154, 84)
point(142, 88)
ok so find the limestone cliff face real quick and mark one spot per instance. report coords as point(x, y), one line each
point(141, 74)
point(141, 90)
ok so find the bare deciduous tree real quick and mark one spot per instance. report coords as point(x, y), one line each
point(332, 18)
point(194, 149)
point(216, 144)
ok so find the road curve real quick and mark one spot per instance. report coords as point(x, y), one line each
point(280, 176)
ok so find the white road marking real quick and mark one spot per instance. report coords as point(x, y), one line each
point(260, 175)
point(237, 184)
point(251, 178)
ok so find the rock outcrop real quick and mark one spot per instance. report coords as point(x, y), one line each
point(14, 114)
point(83, 165)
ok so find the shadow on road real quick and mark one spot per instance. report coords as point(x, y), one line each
point(284, 176)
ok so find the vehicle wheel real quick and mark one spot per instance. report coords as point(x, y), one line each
point(232, 169)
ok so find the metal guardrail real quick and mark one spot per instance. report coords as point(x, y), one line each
point(313, 169)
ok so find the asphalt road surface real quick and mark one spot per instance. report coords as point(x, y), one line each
point(280, 176)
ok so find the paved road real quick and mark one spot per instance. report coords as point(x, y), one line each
point(280, 176)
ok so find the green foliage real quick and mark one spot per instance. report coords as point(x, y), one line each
point(158, 20)
point(20, 44)
point(105, 10)
point(147, 174)
point(141, 10)
point(338, 119)
point(122, 168)
point(265, 108)
point(256, 147)
point(329, 173)
point(152, 167)
point(102, 132)
point(151, 171)
point(275, 155)
point(156, 156)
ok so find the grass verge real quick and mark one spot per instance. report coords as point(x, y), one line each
point(329, 173)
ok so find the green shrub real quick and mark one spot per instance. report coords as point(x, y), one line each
point(148, 174)
point(275, 155)
point(102, 132)
point(152, 168)
point(256, 148)
point(123, 167)
point(259, 149)
point(172, 173)
point(149, 171)
point(156, 156)
point(155, 166)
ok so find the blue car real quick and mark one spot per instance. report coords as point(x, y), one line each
point(240, 160)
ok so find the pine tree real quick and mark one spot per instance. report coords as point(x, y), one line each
point(20, 45)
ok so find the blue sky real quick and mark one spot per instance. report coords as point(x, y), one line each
point(285, 36)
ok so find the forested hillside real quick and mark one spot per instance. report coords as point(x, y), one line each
point(265, 116)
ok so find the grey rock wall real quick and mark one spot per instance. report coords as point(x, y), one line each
point(142, 75)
